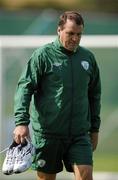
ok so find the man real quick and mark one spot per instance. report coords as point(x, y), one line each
point(62, 78)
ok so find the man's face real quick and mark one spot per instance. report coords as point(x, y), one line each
point(70, 34)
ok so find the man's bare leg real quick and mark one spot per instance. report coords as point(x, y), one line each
point(45, 176)
point(83, 172)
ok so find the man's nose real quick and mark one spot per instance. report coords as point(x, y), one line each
point(75, 38)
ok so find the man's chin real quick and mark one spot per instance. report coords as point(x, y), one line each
point(71, 49)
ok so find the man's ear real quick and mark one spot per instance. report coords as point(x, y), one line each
point(58, 31)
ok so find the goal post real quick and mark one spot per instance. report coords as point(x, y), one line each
point(102, 41)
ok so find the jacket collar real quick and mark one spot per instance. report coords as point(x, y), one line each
point(59, 46)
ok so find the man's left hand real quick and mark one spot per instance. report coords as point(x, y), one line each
point(94, 140)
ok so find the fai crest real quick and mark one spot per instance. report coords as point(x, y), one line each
point(85, 65)
point(41, 162)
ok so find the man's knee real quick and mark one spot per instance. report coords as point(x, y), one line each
point(83, 172)
point(45, 176)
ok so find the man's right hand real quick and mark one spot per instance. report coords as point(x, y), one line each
point(20, 133)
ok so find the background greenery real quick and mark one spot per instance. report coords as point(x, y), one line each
point(44, 22)
point(91, 5)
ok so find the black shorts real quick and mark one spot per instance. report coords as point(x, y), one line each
point(52, 153)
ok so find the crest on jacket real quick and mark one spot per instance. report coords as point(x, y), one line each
point(85, 65)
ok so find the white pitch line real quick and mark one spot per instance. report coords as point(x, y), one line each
point(31, 175)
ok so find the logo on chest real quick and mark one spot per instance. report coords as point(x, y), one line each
point(85, 65)
point(57, 67)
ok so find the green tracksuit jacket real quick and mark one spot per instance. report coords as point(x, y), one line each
point(65, 90)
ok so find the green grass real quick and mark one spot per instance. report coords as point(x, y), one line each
point(106, 162)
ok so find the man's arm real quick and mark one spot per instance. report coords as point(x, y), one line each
point(28, 83)
point(94, 139)
point(94, 101)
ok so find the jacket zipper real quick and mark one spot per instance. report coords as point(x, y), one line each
point(71, 113)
